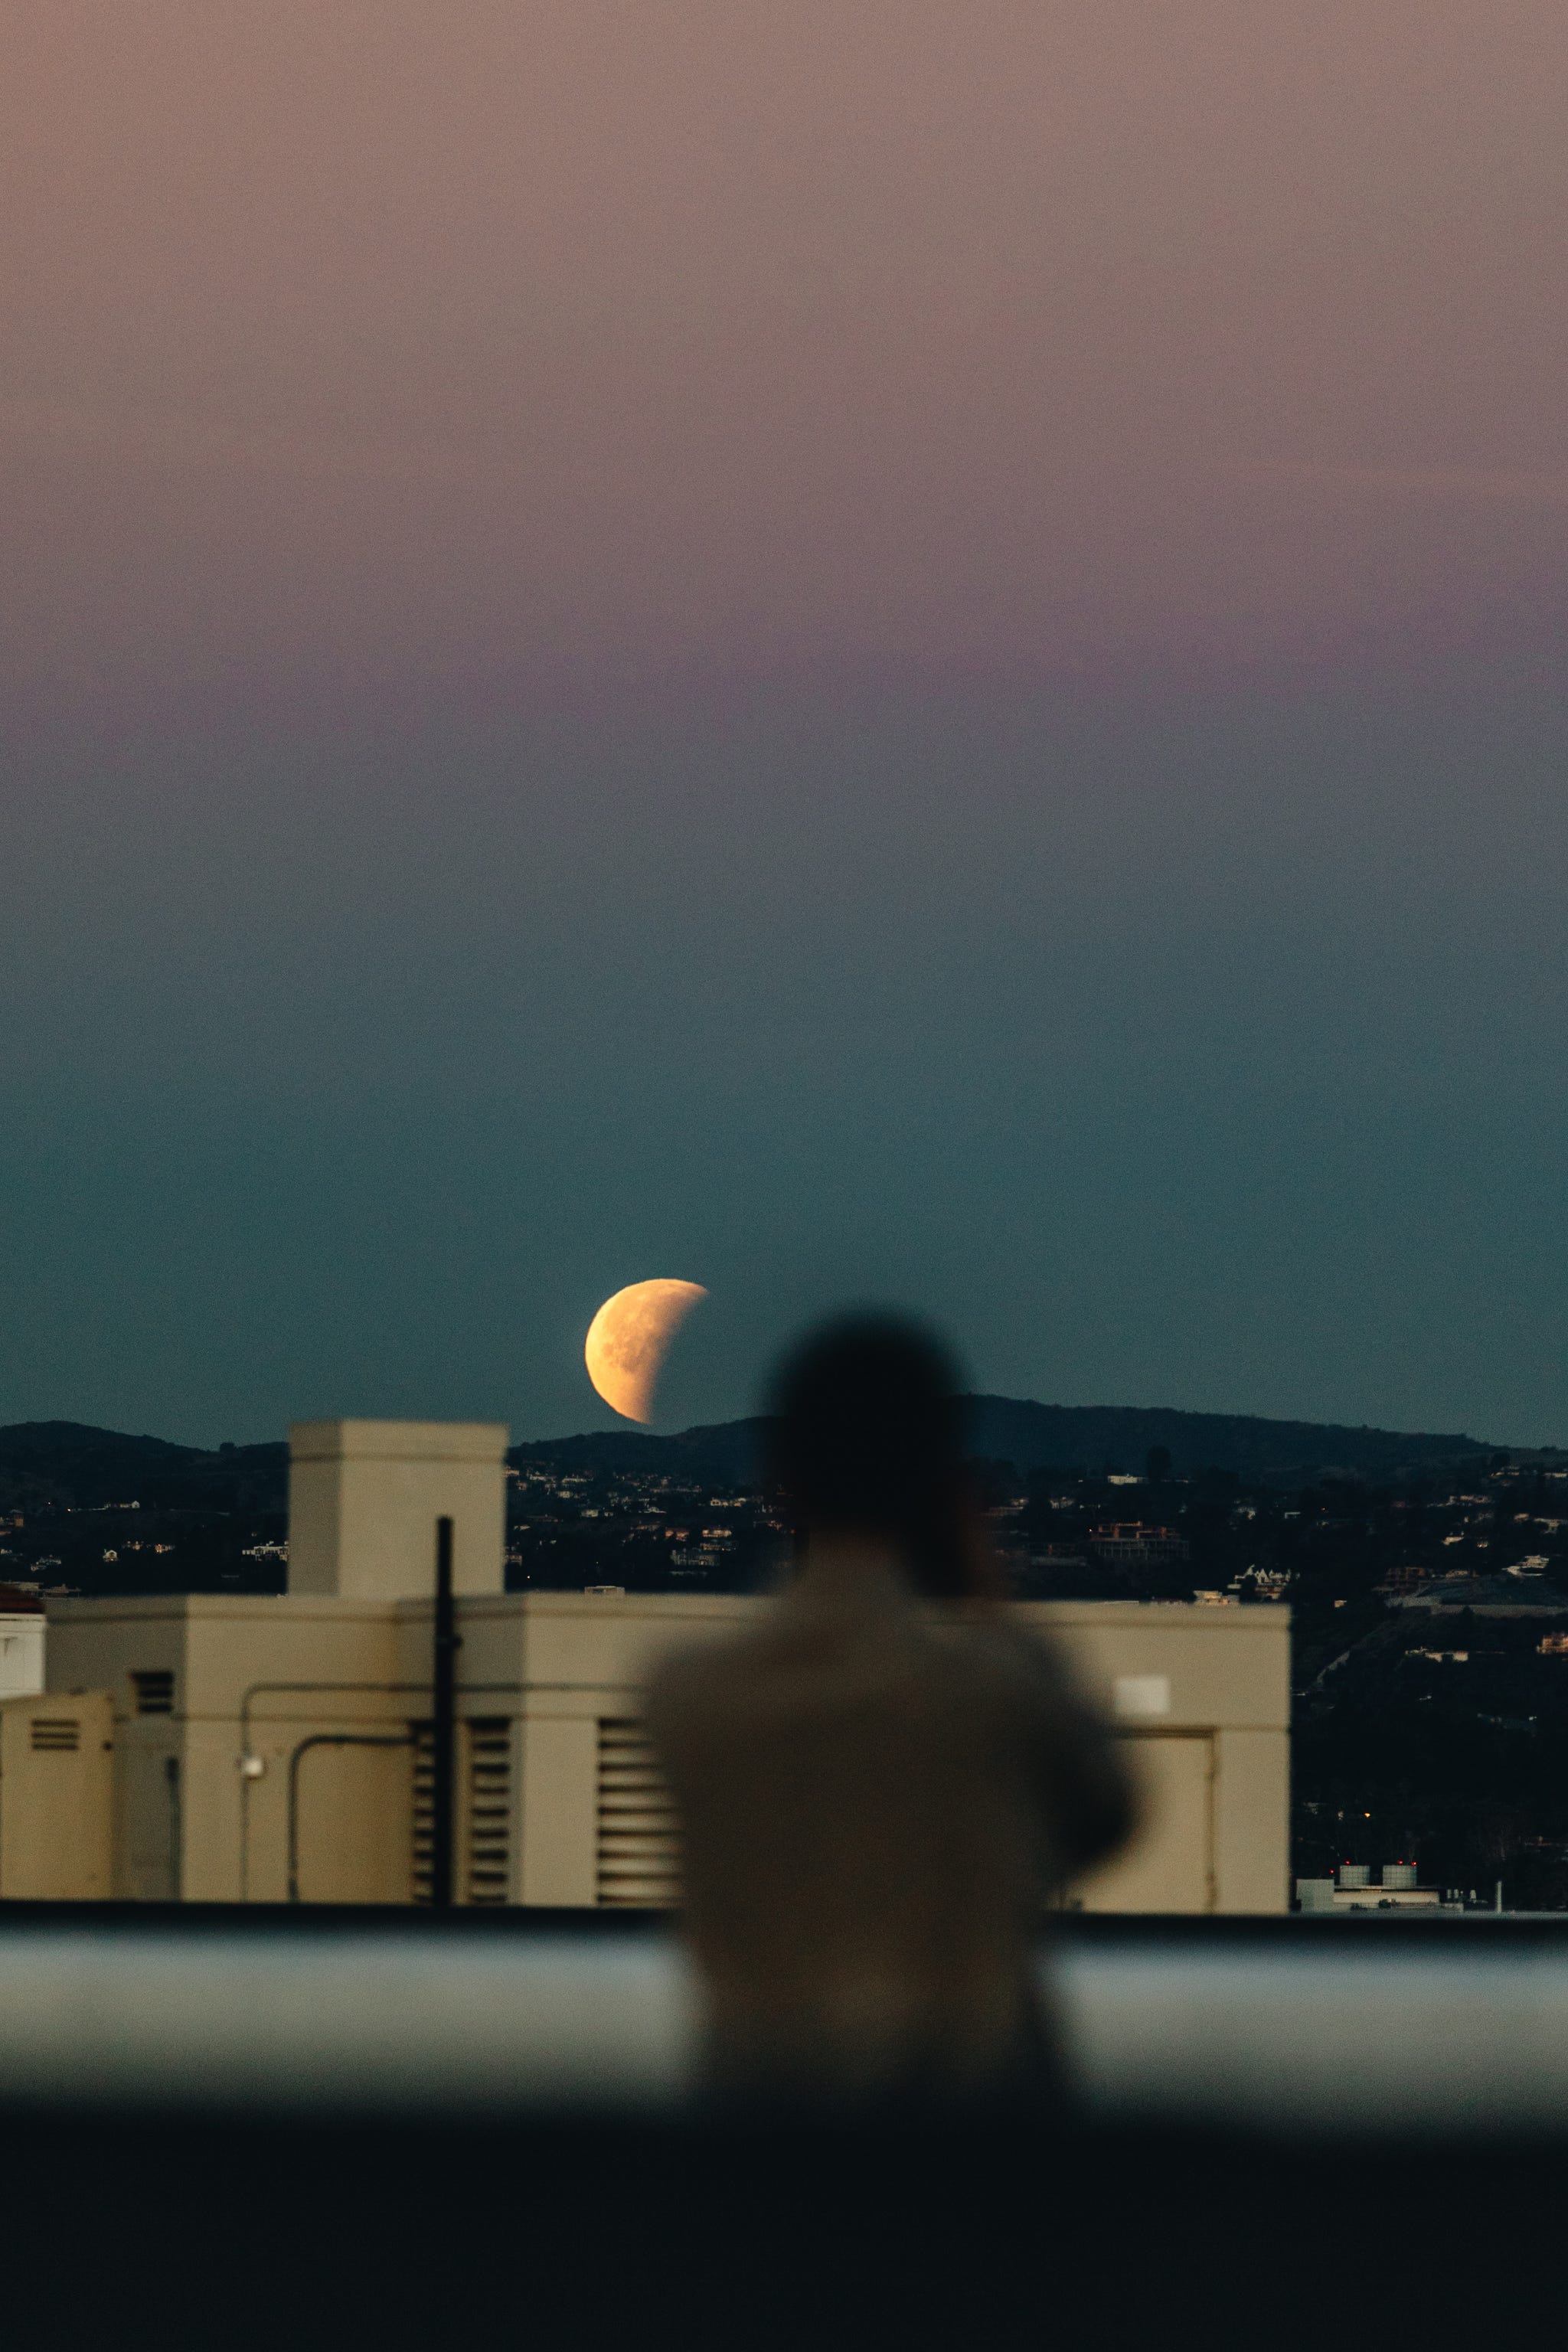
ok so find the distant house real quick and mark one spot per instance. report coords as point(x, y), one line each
point(1131, 1544)
point(1485, 1596)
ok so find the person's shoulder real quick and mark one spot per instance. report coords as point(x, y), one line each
point(703, 1677)
point(995, 1651)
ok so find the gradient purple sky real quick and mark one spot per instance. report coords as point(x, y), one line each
point(906, 649)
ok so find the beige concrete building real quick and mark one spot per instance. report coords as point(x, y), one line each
point(277, 1749)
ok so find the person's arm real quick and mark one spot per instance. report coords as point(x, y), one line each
point(1086, 1794)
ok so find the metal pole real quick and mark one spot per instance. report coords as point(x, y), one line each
point(443, 1724)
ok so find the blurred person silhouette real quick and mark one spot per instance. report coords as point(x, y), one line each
point(880, 1798)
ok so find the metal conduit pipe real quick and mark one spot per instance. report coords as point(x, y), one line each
point(297, 1755)
point(251, 1765)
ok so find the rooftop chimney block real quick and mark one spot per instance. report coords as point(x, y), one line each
point(364, 1497)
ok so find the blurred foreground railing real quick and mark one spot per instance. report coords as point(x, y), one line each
point(1282, 2028)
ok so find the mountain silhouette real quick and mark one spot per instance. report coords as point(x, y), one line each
point(1087, 1438)
point(71, 1463)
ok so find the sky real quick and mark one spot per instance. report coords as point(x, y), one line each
point(908, 653)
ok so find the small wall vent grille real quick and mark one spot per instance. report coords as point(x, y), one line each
point(638, 1836)
point(55, 1735)
point(155, 1690)
point(489, 1809)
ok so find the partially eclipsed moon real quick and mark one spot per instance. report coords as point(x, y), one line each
point(629, 1339)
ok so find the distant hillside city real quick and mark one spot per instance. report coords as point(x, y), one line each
point(1427, 1578)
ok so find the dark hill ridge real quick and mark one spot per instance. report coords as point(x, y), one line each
point(1091, 1438)
point(66, 1462)
point(1118, 1437)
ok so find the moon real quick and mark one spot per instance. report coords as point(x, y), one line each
point(629, 1339)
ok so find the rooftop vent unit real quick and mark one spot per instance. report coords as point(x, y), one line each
point(639, 1858)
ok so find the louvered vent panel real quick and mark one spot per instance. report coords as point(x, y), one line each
point(155, 1689)
point(489, 1808)
point(640, 1843)
point(483, 1860)
point(423, 1738)
point(56, 1735)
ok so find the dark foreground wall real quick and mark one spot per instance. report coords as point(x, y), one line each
point(225, 2234)
point(227, 2130)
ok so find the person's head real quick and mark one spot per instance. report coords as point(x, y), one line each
point(867, 1438)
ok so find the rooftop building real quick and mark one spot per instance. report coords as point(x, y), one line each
point(279, 1748)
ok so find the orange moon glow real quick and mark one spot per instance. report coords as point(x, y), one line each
point(629, 1339)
